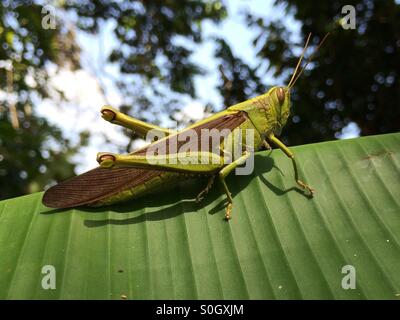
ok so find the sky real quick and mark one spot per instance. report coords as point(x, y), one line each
point(82, 87)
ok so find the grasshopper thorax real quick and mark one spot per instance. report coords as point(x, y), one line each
point(268, 112)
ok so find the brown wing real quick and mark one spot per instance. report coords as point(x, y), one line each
point(99, 183)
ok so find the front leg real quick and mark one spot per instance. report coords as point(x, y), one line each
point(290, 154)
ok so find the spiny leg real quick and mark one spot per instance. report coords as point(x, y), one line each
point(203, 192)
point(222, 175)
point(290, 154)
point(139, 127)
point(266, 145)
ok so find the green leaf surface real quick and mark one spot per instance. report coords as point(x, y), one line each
point(279, 244)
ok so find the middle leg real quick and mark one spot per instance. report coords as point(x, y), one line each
point(224, 173)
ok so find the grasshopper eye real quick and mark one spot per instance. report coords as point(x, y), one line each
point(280, 93)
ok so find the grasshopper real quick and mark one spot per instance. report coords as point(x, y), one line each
point(127, 176)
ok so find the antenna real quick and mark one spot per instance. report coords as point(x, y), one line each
point(292, 82)
point(300, 59)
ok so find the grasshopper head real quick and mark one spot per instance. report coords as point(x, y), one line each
point(280, 98)
point(273, 107)
point(281, 95)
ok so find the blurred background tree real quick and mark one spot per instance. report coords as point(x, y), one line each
point(352, 81)
point(32, 152)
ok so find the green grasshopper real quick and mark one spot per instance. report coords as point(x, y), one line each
point(127, 176)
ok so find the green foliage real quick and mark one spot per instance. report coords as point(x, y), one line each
point(33, 153)
point(279, 244)
point(24, 167)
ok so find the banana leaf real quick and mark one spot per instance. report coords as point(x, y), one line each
point(280, 244)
